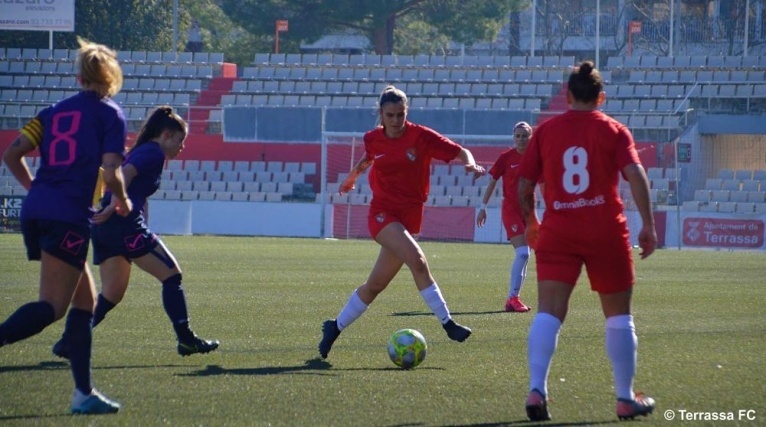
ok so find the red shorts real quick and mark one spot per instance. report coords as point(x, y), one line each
point(608, 261)
point(410, 217)
point(513, 222)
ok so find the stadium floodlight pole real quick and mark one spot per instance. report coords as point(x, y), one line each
point(323, 178)
point(175, 27)
point(534, 20)
point(676, 146)
point(747, 27)
point(672, 26)
point(598, 32)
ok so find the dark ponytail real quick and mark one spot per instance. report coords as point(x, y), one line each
point(162, 118)
point(585, 82)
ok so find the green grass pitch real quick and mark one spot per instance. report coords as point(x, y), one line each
point(700, 316)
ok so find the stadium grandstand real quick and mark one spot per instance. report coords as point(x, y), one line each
point(286, 127)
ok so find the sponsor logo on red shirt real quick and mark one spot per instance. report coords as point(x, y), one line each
point(580, 203)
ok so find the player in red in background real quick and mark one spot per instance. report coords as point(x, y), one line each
point(578, 155)
point(400, 154)
point(507, 168)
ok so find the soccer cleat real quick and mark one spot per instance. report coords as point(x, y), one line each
point(628, 409)
point(93, 403)
point(330, 333)
point(537, 406)
point(197, 345)
point(61, 349)
point(514, 305)
point(456, 332)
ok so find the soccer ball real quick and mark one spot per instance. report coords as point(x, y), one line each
point(407, 348)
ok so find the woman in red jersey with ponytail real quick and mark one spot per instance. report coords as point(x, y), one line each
point(400, 154)
point(579, 156)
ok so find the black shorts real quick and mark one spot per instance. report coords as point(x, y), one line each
point(129, 238)
point(67, 242)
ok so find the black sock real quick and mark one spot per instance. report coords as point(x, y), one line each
point(174, 301)
point(29, 319)
point(103, 306)
point(80, 340)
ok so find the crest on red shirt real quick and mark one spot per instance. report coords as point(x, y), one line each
point(380, 217)
point(514, 228)
point(412, 154)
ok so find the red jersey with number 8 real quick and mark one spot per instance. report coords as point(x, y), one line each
point(578, 155)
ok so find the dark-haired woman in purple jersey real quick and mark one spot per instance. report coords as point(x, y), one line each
point(118, 242)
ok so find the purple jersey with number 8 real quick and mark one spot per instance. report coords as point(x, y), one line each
point(76, 133)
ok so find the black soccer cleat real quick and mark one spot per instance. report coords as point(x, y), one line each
point(197, 345)
point(330, 333)
point(456, 332)
point(537, 406)
point(61, 349)
point(642, 405)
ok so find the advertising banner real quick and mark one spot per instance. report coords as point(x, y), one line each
point(37, 15)
point(10, 214)
point(729, 233)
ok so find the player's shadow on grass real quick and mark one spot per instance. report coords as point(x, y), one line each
point(61, 365)
point(42, 366)
point(457, 313)
point(311, 366)
point(530, 423)
point(314, 366)
point(63, 416)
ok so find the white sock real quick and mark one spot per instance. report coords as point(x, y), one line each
point(518, 271)
point(354, 308)
point(621, 345)
point(541, 344)
point(433, 297)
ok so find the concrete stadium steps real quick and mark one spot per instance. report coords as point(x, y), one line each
point(208, 99)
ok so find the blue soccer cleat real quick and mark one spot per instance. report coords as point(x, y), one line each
point(94, 403)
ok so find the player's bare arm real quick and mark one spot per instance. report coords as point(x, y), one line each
point(361, 166)
point(481, 218)
point(527, 200)
point(13, 157)
point(470, 164)
point(639, 187)
point(115, 182)
point(128, 173)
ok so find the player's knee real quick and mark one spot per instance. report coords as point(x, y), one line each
point(418, 264)
point(370, 290)
point(522, 252)
point(114, 290)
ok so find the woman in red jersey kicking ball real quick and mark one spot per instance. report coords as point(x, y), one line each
point(506, 167)
point(579, 155)
point(401, 153)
